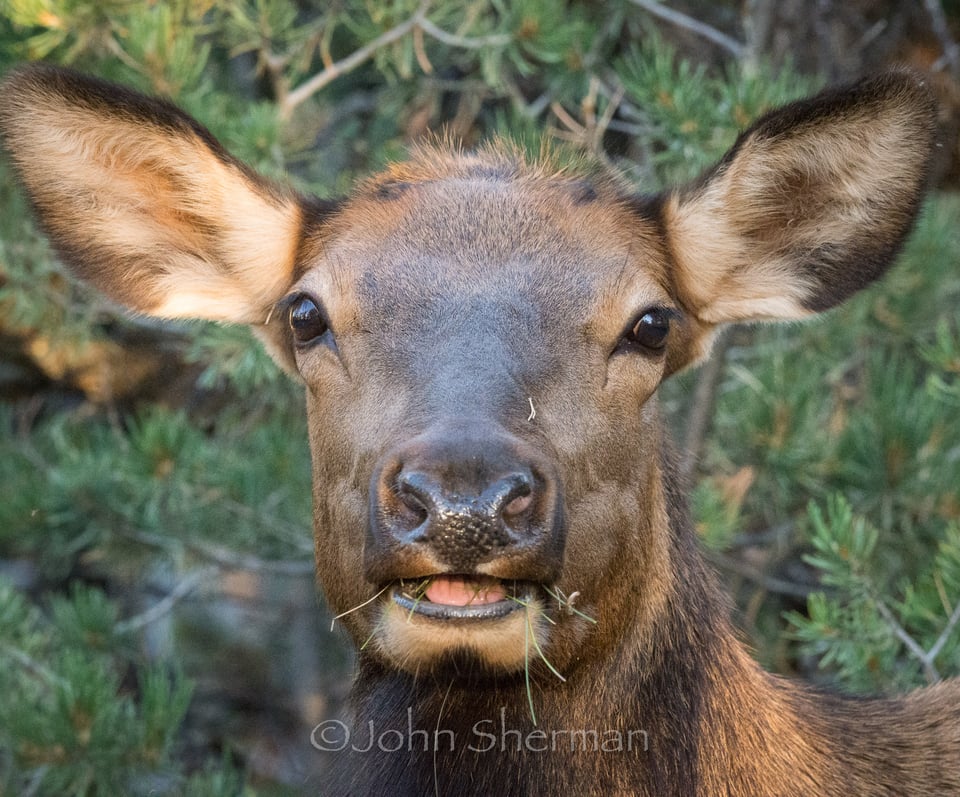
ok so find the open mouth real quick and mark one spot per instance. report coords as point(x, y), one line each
point(462, 597)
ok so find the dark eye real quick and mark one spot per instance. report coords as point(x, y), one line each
point(651, 329)
point(307, 320)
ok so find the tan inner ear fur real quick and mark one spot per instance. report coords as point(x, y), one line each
point(205, 240)
point(738, 239)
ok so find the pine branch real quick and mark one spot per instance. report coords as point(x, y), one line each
point(417, 24)
point(464, 42)
point(769, 583)
point(704, 403)
point(728, 43)
point(224, 557)
point(46, 676)
point(322, 79)
point(924, 657)
point(165, 606)
point(941, 29)
point(945, 634)
point(238, 561)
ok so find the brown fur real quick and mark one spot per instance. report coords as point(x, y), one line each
point(478, 312)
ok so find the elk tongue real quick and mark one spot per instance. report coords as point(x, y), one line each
point(465, 590)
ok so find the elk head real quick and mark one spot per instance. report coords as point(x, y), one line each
point(481, 338)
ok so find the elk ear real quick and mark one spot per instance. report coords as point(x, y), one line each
point(811, 204)
point(142, 201)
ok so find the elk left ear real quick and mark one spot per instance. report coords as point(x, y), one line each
point(811, 204)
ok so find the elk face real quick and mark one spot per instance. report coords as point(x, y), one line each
point(476, 348)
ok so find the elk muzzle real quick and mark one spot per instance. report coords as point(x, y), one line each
point(465, 502)
point(472, 516)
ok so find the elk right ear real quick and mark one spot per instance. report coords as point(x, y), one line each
point(811, 204)
point(141, 201)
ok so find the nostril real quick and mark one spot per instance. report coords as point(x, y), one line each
point(414, 498)
point(514, 497)
point(520, 504)
point(414, 510)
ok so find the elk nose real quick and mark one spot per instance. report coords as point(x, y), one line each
point(460, 526)
point(449, 506)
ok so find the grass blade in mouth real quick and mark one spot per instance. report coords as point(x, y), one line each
point(358, 606)
point(566, 603)
point(526, 668)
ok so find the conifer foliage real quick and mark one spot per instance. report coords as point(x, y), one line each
point(139, 461)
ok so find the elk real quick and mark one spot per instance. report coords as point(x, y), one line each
point(497, 514)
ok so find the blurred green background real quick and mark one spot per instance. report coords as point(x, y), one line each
point(159, 629)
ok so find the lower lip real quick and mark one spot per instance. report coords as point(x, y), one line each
point(482, 611)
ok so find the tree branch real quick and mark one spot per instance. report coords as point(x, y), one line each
point(941, 29)
point(224, 557)
point(945, 634)
point(464, 42)
point(319, 81)
point(769, 583)
point(418, 24)
point(704, 402)
point(929, 670)
point(728, 43)
point(31, 665)
point(165, 606)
